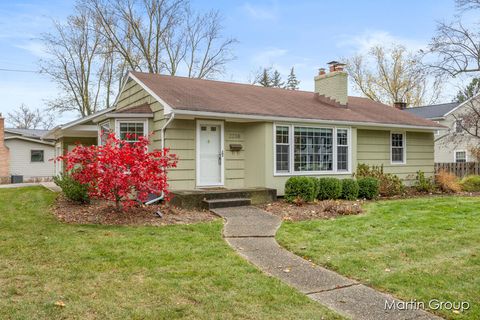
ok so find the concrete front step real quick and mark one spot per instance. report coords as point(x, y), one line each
point(226, 203)
point(191, 199)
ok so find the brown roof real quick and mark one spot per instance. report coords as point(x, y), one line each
point(227, 97)
point(143, 108)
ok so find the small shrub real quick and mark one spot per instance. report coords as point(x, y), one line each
point(368, 188)
point(72, 189)
point(389, 184)
point(471, 183)
point(317, 186)
point(447, 182)
point(330, 189)
point(349, 189)
point(300, 189)
point(422, 183)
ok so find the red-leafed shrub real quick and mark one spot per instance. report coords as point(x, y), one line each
point(120, 171)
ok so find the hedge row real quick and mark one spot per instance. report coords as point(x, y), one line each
point(307, 189)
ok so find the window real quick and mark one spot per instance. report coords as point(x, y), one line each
point(458, 126)
point(282, 149)
point(311, 149)
point(460, 156)
point(131, 130)
point(104, 131)
point(36, 156)
point(398, 147)
point(342, 149)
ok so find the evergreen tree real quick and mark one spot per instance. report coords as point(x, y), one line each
point(472, 89)
point(277, 80)
point(292, 82)
point(264, 78)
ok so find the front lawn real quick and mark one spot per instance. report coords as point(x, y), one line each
point(425, 248)
point(52, 270)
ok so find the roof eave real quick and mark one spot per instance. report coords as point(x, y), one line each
point(309, 120)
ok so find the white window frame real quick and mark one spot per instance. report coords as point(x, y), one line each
point(455, 155)
point(37, 150)
point(404, 139)
point(99, 136)
point(456, 126)
point(141, 120)
point(291, 139)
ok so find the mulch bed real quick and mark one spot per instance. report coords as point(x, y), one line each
point(318, 210)
point(329, 209)
point(102, 212)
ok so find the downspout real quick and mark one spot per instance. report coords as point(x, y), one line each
point(162, 139)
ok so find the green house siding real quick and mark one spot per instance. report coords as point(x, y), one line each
point(373, 148)
point(253, 166)
point(278, 181)
point(134, 95)
point(180, 137)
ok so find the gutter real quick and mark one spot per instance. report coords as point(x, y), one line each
point(162, 138)
point(162, 130)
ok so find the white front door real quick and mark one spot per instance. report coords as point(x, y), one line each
point(209, 153)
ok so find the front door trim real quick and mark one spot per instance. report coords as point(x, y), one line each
point(197, 152)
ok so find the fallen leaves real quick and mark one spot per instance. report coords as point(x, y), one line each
point(60, 304)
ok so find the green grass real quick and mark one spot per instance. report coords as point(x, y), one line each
point(103, 272)
point(422, 249)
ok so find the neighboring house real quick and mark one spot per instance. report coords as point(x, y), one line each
point(239, 135)
point(24, 153)
point(451, 145)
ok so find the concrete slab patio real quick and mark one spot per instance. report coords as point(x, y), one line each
point(250, 231)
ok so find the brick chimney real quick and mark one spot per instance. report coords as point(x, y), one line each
point(334, 84)
point(4, 154)
point(400, 105)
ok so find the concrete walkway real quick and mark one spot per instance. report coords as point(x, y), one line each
point(250, 231)
point(49, 185)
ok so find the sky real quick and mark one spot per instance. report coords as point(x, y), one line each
point(305, 34)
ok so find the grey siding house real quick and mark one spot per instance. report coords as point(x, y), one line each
point(451, 145)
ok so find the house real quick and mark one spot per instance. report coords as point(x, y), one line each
point(451, 145)
point(236, 135)
point(24, 153)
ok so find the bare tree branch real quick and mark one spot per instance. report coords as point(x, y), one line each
point(164, 36)
point(81, 63)
point(26, 118)
point(392, 74)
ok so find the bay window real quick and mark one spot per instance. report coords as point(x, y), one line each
point(302, 149)
point(282, 149)
point(342, 150)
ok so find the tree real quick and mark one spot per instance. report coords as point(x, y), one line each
point(164, 36)
point(120, 171)
point(26, 118)
point(455, 47)
point(277, 80)
point(471, 90)
point(292, 82)
point(391, 74)
point(267, 77)
point(263, 78)
point(81, 63)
